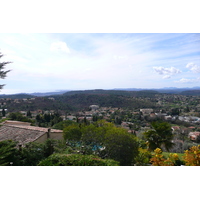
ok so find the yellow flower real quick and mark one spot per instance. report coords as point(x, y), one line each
point(158, 151)
point(175, 156)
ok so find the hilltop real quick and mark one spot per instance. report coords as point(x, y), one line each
point(195, 91)
point(81, 100)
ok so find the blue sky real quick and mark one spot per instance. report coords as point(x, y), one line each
point(66, 61)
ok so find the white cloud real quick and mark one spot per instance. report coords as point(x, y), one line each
point(166, 77)
point(59, 46)
point(185, 80)
point(193, 67)
point(168, 72)
point(163, 70)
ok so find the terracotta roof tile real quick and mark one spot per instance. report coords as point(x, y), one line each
point(23, 134)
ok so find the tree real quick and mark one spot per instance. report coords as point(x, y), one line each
point(105, 140)
point(7, 152)
point(2, 67)
point(121, 146)
point(19, 117)
point(160, 135)
point(198, 139)
point(29, 114)
point(72, 134)
point(175, 111)
point(33, 153)
point(61, 125)
point(3, 112)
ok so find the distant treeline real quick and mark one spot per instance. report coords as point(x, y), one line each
point(72, 101)
point(81, 100)
point(191, 93)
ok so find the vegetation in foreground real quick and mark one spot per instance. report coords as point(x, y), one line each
point(98, 144)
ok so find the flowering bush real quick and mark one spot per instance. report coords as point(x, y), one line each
point(192, 156)
point(159, 160)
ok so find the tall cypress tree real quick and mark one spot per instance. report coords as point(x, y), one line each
point(3, 112)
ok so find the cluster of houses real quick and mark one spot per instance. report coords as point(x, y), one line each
point(106, 112)
point(23, 132)
point(190, 131)
point(94, 110)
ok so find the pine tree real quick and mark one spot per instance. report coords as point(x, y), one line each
point(2, 67)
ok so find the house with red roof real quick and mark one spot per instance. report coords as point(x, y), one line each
point(23, 133)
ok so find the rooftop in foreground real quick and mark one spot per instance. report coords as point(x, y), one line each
point(23, 133)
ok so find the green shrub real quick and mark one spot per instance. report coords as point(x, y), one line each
point(76, 160)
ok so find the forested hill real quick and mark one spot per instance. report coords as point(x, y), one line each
point(143, 93)
point(82, 101)
point(16, 96)
point(191, 93)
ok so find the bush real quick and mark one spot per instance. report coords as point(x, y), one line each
point(8, 153)
point(192, 156)
point(76, 160)
point(143, 157)
point(159, 160)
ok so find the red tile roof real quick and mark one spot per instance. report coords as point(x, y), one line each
point(22, 133)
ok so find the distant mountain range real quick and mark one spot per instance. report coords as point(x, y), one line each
point(171, 90)
point(38, 94)
point(31, 95)
point(195, 91)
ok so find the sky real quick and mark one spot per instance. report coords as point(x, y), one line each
point(43, 62)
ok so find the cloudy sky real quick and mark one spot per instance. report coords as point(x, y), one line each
point(67, 61)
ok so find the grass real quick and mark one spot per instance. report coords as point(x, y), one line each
point(180, 155)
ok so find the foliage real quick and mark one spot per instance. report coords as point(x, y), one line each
point(121, 146)
point(76, 160)
point(7, 152)
point(180, 155)
point(3, 112)
point(192, 156)
point(48, 120)
point(72, 133)
point(143, 157)
point(2, 67)
point(61, 125)
point(103, 139)
point(191, 92)
point(33, 153)
point(198, 139)
point(175, 111)
point(29, 114)
point(78, 102)
point(159, 160)
point(19, 117)
point(160, 135)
